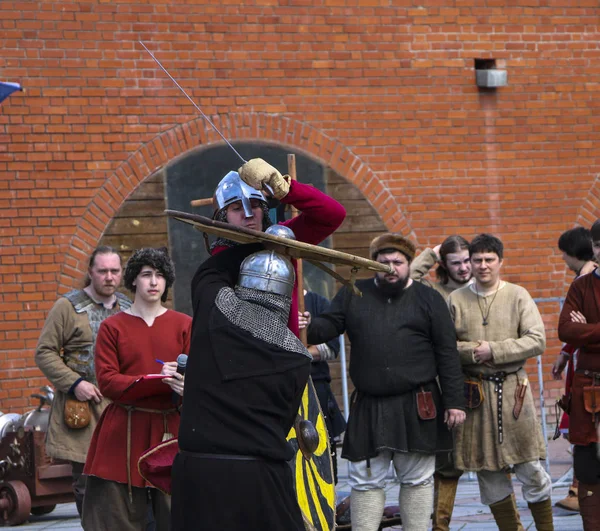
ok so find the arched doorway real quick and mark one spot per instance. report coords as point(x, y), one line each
point(141, 222)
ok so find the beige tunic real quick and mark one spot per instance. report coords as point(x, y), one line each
point(515, 332)
point(65, 330)
point(421, 265)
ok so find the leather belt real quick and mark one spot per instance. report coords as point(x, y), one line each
point(592, 374)
point(129, 409)
point(498, 378)
point(226, 457)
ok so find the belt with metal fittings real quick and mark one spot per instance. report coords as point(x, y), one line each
point(591, 374)
point(498, 378)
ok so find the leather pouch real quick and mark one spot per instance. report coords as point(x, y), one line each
point(474, 395)
point(77, 414)
point(591, 398)
point(425, 405)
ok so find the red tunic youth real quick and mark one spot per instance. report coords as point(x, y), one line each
point(126, 349)
point(320, 216)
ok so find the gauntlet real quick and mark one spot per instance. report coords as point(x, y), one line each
point(257, 172)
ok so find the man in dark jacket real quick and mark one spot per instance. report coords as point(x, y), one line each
point(402, 338)
point(578, 326)
point(245, 378)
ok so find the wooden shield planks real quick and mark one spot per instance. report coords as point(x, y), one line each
point(291, 248)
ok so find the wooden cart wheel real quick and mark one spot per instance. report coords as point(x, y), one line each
point(42, 509)
point(15, 502)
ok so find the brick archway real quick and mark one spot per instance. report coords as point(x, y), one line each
point(589, 211)
point(175, 142)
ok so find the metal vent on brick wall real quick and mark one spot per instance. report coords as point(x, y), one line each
point(487, 75)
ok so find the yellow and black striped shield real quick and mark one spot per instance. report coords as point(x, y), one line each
point(314, 484)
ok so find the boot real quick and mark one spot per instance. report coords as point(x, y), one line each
point(415, 506)
point(366, 509)
point(589, 503)
point(506, 514)
point(444, 494)
point(542, 515)
point(571, 502)
point(514, 502)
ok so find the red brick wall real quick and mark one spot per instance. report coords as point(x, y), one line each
point(383, 94)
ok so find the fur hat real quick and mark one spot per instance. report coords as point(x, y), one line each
point(393, 242)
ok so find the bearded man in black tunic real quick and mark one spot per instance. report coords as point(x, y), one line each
point(244, 382)
point(402, 339)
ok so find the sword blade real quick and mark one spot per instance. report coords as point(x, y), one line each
point(192, 102)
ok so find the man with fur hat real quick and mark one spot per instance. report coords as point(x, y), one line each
point(402, 339)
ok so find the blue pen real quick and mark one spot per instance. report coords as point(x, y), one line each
point(159, 361)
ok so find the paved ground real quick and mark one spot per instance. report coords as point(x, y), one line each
point(469, 513)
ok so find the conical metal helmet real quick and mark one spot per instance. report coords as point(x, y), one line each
point(268, 271)
point(282, 231)
point(231, 189)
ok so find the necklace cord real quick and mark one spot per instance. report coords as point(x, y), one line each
point(485, 315)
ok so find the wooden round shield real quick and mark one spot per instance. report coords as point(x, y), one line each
point(314, 483)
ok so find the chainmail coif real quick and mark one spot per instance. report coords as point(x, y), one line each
point(263, 314)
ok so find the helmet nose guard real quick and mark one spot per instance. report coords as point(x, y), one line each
point(232, 189)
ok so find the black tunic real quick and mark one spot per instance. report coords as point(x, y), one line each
point(241, 398)
point(399, 346)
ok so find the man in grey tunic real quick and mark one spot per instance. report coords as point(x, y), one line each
point(453, 272)
point(498, 327)
point(65, 354)
point(402, 339)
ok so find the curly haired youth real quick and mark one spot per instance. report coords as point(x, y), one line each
point(156, 259)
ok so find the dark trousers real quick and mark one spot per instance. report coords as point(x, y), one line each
point(586, 464)
point(334, 420)
point(79, 480)
point(233, 495)
point(106, 507)
point(444, 466)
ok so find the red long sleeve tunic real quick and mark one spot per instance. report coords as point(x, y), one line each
point(320, 216)
point(127, 349)
point(584, 297)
